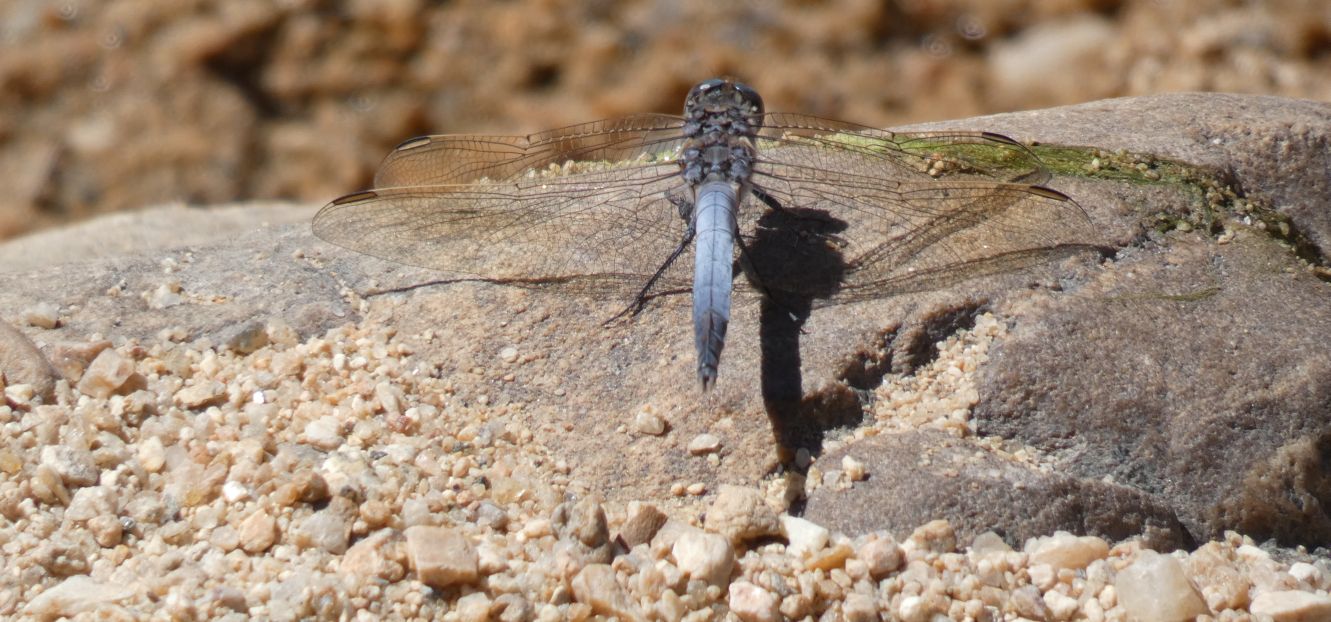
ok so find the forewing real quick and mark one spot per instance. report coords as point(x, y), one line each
point(883, 229)
point(459, 159)
point(600, 232)
point(986, 155)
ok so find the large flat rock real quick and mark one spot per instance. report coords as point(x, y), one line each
point(1189, 374)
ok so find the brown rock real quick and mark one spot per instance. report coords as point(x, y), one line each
point(107, 374)
point(641, 524)
point(582, 527)
point(258, 532)
point(201, 394)
point(22, 363)
point(72, 358)
point(378, 556)
point(75, 466)
point(75, 595)
point(1155, 587)
point(328, 529)
point(1146, 357)
point(441, 556)
point(595, 585)
point(1292, 606)
point(741, 513)
point(922, 475)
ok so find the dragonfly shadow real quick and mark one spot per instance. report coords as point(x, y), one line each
point(793, 259)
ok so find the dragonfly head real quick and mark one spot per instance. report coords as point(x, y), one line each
point(721, 95)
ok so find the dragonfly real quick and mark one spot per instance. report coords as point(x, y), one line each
point(647, 205)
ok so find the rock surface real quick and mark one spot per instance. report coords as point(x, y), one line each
point(412, 409)
point(928, 473)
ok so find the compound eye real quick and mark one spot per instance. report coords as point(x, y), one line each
point(751, 97)
point(705, 85)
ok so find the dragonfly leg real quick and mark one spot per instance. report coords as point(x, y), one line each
point(770, 201)
point(640, 300)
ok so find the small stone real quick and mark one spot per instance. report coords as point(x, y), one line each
point(72, 358)
point(1061, 607)
point(1215, 574)
point(441, 556)
point(1305, 573)
point(854, 469)
point(230, 597)
point(42, 315)
point(753, 604)
point(152, 456)
point(328, 529)
point(474, 607)
point(804, 537)
point(234, 491)
point(490, 515)
point(859, 608)
point(648, 422)
point(935, 536)
point(882, 555)
point(703, 444)
point(75, 595)
point(912, 609)
point(1292, 606)
point(22, 363)
point(326, 433)
point(258, 532)
point(21, 394)
point(1064, 550)
point(1027, 602)
point(513, 608)
point(244, 338)
point(106, 529)
point(796, 606)
point(309, 486)
point(1155, 587)
point(106, 374)
point(166, 295)
point(595, 585)
point(829, 558)
point(376, 557)
point(48, 487)
point(509, 354)
point(705, 556)
point(1042, 576)
point(989, 543)
point(641, 525)
point(583, 529)
point(75, 467)
point(740, 513)
point(225, 538)
point(200, 394)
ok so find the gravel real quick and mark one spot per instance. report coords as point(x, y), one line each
point(334, 478)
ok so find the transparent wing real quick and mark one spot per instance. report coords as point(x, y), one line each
point(982, 154)
point(459, 159)
point(877, 219)
point(603, 232)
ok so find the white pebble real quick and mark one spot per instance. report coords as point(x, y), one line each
point(704, 444)
point(805, 537)
point(234, 491)
point(752, 603)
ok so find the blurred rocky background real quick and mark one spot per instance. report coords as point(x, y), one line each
point(111, 105)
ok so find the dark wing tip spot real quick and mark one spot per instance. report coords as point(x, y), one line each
point(355, 197)
point(1049, 193)
point(412, 143)
point(999, 138)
